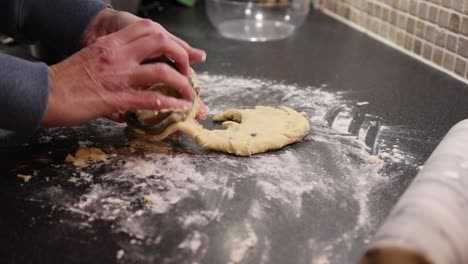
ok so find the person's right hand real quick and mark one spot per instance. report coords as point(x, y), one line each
point(107, 77)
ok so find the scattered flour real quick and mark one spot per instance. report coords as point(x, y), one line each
point(192, 242)
point(240, 245)
point(133, 191)
point(120, 254)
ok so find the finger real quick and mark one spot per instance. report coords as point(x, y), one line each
point(135, 31)
point(132, 100)
point(156, 45)
point(184, 44)
point(116, 117)
point(148, 74)
point(202, 112)
point(195, 55)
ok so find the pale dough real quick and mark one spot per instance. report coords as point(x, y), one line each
point(248, 131)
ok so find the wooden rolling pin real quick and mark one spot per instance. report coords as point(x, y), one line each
point(429, 224)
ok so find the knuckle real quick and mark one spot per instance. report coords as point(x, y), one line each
point(185, 56)
point(161, 69)
point(108, 41)
point(157, 26)
point(159, 36)
point(100, 40)
point(146, 22)
point(105, 55)
point(124, 102)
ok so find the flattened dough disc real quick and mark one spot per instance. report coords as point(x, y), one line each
point(248, 131)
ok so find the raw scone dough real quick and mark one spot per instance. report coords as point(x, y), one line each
point(248, 131)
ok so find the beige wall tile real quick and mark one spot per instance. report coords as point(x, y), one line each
point(353, 15)
point(454, 22)
point(460, 66)
point(419, 29)
point(400, 38)
point(362, 19)
point(370, 7)
point(457, 5)
point(410, 25)
point(444, 16)
point(446, 3)
point(376, 11)
point(401, 20)
point(463, 47)
point(392, 35)
point(464, 26)
point(441, 36)
point(417, 46)
point(393, 17)
point(429, 33)
point(436, 30)
point(385, 14)
point(386, 2)
point(449, 61)
point(451, 43)
point(433, 13)
point(422, 10)
point(331, 5)
point(404, 5)
point(437, 56)
point(414, 7)
point(369, 22)
point(363, 5)
point(427, 51)
point(384, 28)
point(375, 26)
point(409, 42)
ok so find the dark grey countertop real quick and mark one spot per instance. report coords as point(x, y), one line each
point(317, 201)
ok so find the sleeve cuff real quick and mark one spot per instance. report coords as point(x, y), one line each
point(24, 92)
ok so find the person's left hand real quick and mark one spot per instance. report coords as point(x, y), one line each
point(109, 21)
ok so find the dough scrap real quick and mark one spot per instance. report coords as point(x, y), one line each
point(85, 154)
point(248, 131)
point(24, 177)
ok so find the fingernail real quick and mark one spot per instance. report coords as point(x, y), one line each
point(203, 56)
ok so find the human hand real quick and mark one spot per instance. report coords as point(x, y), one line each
point(109, 21)
point(107, 76)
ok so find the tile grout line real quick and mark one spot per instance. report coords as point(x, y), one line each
point(408, 15)
point(395, 46)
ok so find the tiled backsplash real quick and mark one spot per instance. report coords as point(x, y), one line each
point(434, 30)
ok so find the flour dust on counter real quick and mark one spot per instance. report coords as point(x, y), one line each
point(172, 202)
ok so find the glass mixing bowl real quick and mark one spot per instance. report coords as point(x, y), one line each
point(257, 20)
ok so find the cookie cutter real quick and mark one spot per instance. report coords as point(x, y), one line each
point(156, 121)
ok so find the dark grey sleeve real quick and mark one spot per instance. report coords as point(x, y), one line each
point(61, 22)
point(24, 91)
point(24, 85)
